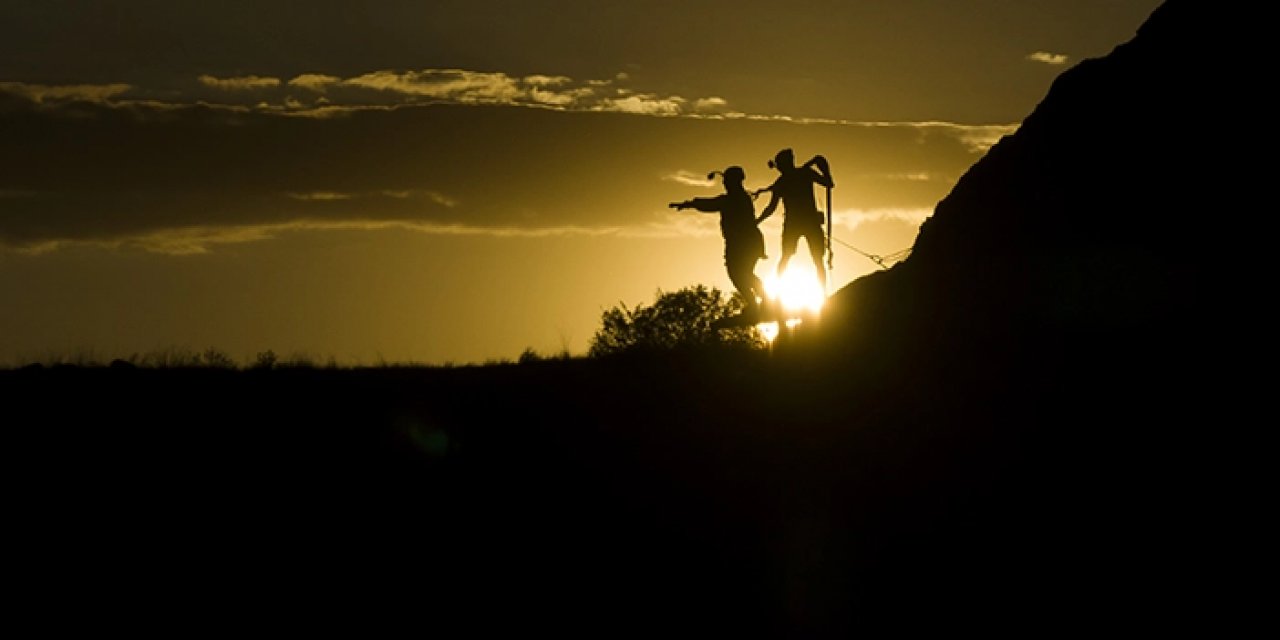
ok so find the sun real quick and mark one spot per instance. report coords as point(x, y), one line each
point(798, 291)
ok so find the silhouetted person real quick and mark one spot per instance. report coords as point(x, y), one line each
point(743, 242)
point(794, 188)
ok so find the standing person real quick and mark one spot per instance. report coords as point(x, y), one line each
point(794, 188)
point(743, 242)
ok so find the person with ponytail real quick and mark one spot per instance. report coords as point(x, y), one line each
point(743, 242)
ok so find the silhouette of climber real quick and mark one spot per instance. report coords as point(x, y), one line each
point(743, 242)
point(794, 188)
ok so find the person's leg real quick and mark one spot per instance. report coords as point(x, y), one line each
point(742, 275)
point(757, 285)
point(817, 250)
point(790, 239)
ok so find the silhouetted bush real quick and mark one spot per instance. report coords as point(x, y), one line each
point(217, 358)
point(265, 360)
point(678, 319)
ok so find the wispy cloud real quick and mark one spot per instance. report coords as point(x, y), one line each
point(320, 196)
point(620, 77)
point(853, 218)
point(434, 196)
point(980, 138)
point(391, 90)
point(241, 83)
point(672, 224)
point(200, 240)
point(328, 96)
point(918, 176)
point(41, 93)
point(1054, 59)
point(398, 194)
point(689, 178)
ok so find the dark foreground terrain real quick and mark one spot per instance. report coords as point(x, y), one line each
point(732, 494)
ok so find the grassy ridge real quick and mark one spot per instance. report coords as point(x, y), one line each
point(726, 492)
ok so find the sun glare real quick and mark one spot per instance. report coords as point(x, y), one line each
point(798, 290)
point(768, 331)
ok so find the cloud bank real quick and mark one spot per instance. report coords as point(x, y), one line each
point(247, 158)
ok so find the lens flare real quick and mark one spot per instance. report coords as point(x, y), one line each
point(768, 331)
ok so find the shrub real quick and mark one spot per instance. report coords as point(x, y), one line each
point(265, 360)
point(679, 319)
point(217, 359)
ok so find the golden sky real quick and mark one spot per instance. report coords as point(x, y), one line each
point(395, 181)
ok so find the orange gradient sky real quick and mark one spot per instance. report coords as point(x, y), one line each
point(456, 182)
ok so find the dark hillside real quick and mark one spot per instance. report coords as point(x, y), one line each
point(1064, 341)
point(1100, 215)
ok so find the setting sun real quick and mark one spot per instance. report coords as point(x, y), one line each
point(798, 290)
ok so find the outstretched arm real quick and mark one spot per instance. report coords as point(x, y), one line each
point(708, 205)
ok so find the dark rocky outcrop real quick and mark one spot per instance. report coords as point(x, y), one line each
point(1067, 348)
point(1109, 213)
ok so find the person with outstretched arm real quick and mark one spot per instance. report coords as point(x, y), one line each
point(794, 189)
point(743, 242)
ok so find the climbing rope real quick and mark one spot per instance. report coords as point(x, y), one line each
point(885, 261)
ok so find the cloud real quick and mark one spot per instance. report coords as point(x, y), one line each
point(852, 218)
point(449, 84)
point(41, 93)
point(317, 82)
point(977, 138)
point(242, 83)
point(918, 176)
point(670, 224)
point(473, 87)
point(546, 81)
point(646, 104)
point(461, 86)
point(980, 138)
point(442, 200)
point(387, 90)
point(321, 196)
point(201, 240)
point(1054, 59)
point(131, 180)
point(560, 98)
point(709, 104)
point(398, 194)
point(690, 178)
